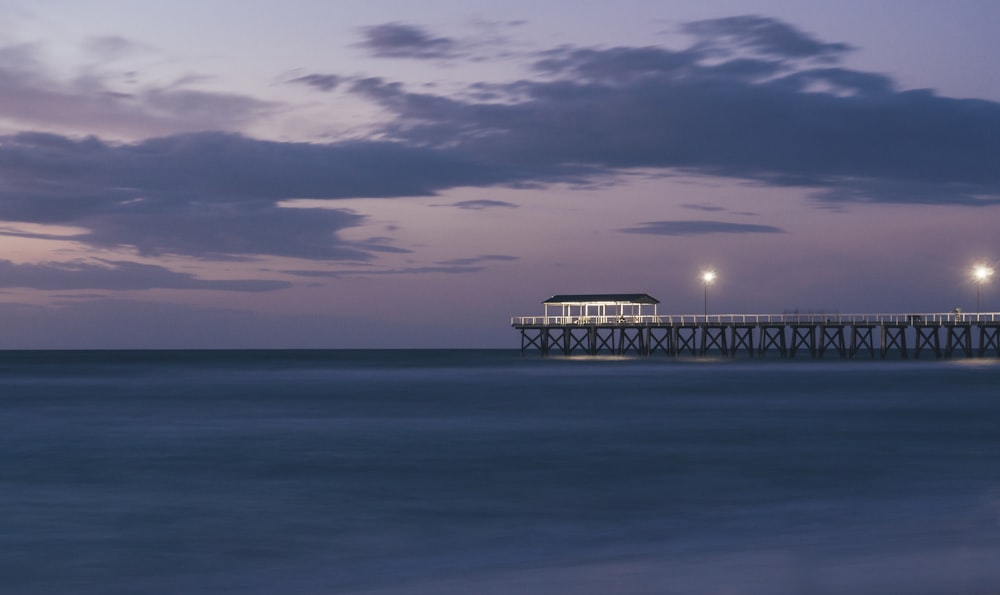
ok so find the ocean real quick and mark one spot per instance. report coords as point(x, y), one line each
point(437, 471)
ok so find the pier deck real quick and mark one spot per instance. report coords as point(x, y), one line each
point(758, 335)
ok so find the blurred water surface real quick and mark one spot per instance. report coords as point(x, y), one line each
point(478, 471)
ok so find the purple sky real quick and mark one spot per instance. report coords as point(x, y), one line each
point(410, 174)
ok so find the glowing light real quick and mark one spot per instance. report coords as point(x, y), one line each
point(707, 277)
point(981, 273)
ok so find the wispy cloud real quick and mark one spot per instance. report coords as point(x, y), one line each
point(478, 259)
point(762, 35)
point(323, 82)
point(479, 205)
point(688, 228)
point(117, 275)
point(398, 40)
point(33, 98)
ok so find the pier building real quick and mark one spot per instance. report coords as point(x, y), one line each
point(629, 324)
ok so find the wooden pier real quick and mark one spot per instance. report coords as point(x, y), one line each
point(628, 324)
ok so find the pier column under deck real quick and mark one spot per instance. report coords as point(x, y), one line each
point(832, 336)
point(686, 339)
point(989, 338)
point(545, 341)
point(576, 338)
point(713, 336)
point(927, 336)
point(959, 335)
point(772, 335)
point(741, 336)
point(803, 335)
point(630, 339)
point(528, 340)
point(894, 335)
point(660, 338)
point(604, 338)
point(862, 338)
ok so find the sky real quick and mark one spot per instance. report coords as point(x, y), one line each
point(398, 174)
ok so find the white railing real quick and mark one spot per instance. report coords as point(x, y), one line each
point(911, 319)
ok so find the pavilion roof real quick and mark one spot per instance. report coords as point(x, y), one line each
point(603, 298)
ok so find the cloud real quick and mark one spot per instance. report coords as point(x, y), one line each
point(704, 207)
point(218, 195)
point(116, 275)
point(688, 228)
point(762, 35)
point(478, 259)
point(478, 205)
point(112, 47)
point(31, 98)
point(447, 269)
point(455, 266)
point(398, 40)
point(766, 116)
point(323, 82)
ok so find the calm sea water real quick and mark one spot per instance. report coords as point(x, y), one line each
point(419, 472)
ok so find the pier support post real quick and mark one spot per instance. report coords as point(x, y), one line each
point(577, 339)
point(959, 335)
point(741, 336)
point(803, 335)
point(660, 341)
point(772, 335)
point(861, 338)
point(832, 336)
point(528, 341)
point(989, 338)
point(687, 339)
point(630, 339)
point(604, 341)
point(713, 336)
point(928, 336)
point(894, 335)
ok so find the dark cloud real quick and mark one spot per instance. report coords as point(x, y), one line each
point(844, 134)
point(478, 259)
point(116, 275)
point(398, 40)
point(617, 64)
point(689, 228)
point(219, 195)
point(707, 208)
point(323, 82)
point(762, 35)
point(447, 269)
point(453, 266)
point(848, 135)
point(478, 205)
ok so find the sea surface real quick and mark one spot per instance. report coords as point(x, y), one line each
point(425, 472)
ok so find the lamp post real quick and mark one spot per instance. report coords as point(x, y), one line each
point(980, 273)
point(707, 277)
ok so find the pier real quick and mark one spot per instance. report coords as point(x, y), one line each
point(629, 324)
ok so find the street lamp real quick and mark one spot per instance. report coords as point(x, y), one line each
point(980, 273)
point(707, 277)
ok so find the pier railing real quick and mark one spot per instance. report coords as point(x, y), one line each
point(908, 319)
